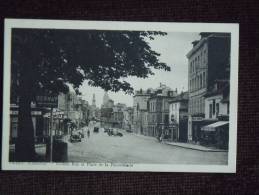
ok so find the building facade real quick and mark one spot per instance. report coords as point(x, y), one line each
point(178, 115)
point(217, 110)
point(140, 106)
point(37, 122)
point(208, 61)
point(158, 111)
point(107, 111)
point(75, 111)
point(127, 119)
point(118, 115)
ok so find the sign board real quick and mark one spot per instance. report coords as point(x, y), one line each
point(49, 101)
point(33, 113)
point(196, 118)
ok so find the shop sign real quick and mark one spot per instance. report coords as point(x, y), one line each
point(49, 101)
point(197, 118)
point(34, 113)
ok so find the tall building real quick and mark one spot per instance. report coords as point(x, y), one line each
point(140, 106)
point(158, 111)
point(208, 60)
point(118, 115)
point(106, 111)
point(74, 109)
point(127, 119)
point(178, 116)
point(105, 98)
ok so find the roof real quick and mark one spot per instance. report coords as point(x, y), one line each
point(204, 38)
point(213, 126)
point(182, 97)
point(224, 91)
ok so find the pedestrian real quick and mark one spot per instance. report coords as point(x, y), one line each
point(88, 133)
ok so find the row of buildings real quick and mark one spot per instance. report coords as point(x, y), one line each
point(115, 115)
point(72, 112)
point(199, 115)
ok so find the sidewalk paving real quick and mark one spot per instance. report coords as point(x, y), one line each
point(194, 147)
point(185, 145)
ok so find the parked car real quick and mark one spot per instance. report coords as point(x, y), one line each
point(110, 132)
point(81, 134)
point(119, 134)
point(96, 129)
point(75, 138)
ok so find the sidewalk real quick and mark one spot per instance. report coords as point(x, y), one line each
point(194, 147)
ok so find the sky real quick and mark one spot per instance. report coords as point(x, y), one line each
point(173, 49)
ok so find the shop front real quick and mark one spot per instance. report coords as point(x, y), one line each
point(37, 121)
point(216, 134)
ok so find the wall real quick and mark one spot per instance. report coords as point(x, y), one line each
point(222, 107)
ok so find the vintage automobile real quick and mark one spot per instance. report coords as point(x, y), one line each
point(75, 138)
point(96, 129)
point(119, 134)
point(81, 134)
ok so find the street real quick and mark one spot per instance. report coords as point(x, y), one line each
point(133, 148)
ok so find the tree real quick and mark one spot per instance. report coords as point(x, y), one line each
point(49, 59)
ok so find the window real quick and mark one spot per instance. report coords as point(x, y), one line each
point(197, 83)
point(204, 79)
point(201, 81)
point(199, 78)
point(210, 111)
point(194, 83)
point(195, 64)
point(201, 58)
point(166, 105)
point(228, 108)
point(217, 109)
point(204, 57)
point(213, 107)
point(166, 119)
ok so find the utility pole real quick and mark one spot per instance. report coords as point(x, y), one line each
point(51, 134)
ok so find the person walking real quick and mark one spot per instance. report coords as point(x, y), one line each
point(88, 133)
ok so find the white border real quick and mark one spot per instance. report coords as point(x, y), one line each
point(111, 25)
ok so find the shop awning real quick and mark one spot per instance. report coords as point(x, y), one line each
point(213, 126)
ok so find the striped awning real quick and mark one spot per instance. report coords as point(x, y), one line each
point(213, 126)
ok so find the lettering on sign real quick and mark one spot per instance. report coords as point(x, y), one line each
point(16, 112)
point(47, 101)
point(197, 118)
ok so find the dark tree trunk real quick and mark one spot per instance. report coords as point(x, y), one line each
point(24, 147)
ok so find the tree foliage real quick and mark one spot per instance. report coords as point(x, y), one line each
point(52, 58)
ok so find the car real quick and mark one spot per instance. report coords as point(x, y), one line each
point(96, 129)
point(119, 134)
point(81, 134)
point(75, 138)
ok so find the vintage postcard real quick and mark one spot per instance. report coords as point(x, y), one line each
point(120, 96)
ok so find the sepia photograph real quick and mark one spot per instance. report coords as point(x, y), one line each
point(120, 96)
